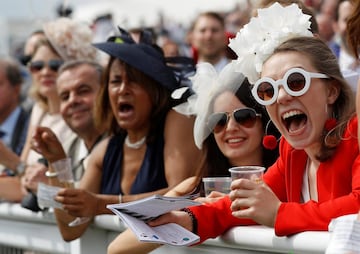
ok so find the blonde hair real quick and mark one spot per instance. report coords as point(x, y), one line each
point(34, 89)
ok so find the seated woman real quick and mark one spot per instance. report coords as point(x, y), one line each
point(230, 127)
point(150, 149)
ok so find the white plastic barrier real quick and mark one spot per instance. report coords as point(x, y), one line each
point(23, 229)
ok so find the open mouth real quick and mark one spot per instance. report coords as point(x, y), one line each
point(125, 110)
point(294, 121)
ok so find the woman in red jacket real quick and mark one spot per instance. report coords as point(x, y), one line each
point(317, 175)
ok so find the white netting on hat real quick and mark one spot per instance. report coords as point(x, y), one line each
point(206, 84)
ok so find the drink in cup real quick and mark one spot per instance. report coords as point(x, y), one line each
point(254, 173)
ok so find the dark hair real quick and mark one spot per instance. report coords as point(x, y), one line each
point(217, 164)
point(210, 14)
point(75, 63)
point(325, 62)
point(12, 71)
point(160, 96)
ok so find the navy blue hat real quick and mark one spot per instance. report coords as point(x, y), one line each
point(142, 56)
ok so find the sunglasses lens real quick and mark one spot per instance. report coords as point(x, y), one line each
point(265, 91)
point(54, 65)
point(217, 121)
point(296, 82)
point(36, 66)
point(245, 117)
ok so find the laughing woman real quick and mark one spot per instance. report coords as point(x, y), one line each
point(317, 175)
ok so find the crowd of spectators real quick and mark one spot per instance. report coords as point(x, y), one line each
point(101, 96)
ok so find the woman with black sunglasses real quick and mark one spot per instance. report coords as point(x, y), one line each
point(237, 125)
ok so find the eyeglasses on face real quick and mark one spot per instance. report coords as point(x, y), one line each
point(53, 64)
point(296, 82)
point(244, 116)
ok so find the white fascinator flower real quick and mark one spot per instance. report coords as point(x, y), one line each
point(256, 41)
point(207, 83)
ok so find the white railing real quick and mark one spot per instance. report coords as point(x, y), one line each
point(23, 229)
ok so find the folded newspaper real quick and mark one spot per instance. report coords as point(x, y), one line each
point(135, 215)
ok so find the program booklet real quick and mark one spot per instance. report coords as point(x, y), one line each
point(135, 215)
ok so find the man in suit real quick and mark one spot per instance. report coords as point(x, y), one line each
point(13, 118)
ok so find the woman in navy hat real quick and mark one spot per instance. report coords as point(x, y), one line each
point(150, 149)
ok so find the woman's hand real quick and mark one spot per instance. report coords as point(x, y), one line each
point(78, 202)
point(184, 188)
point(45, 142)
point(212, 197)
point(34, 174)
point(7, 157)
point(179, 217)
point(255, 201)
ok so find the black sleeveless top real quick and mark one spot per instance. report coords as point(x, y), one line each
point(150, 177)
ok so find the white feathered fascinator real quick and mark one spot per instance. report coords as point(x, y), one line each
point(256, 41)
point(206, 84)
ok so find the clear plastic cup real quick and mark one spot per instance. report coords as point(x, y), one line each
point(220, 184)
point(254, 173)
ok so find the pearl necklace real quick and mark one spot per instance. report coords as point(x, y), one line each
point(135, 145)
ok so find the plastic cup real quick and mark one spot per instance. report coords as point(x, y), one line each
point(220, 184)
point(254, 173)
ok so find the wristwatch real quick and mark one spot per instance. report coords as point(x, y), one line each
point(20, 168)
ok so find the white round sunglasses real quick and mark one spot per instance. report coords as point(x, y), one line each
point(296, 82)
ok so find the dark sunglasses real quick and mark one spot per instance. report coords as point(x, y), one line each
point(244, 116)
point(296, 82)
point(53, 64)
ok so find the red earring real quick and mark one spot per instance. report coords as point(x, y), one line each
point(270, 142)
point(330, 124)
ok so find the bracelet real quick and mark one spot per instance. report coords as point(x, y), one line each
point(120, 198)
point(51, 174)
point(193, 219)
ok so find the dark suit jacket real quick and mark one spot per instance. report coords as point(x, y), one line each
point(19, 135)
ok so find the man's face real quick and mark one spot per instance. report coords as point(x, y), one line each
point(77, 88)
point(208, 37)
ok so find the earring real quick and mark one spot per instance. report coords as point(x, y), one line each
point(269, 141)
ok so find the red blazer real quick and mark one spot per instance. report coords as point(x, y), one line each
point(338, 188)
